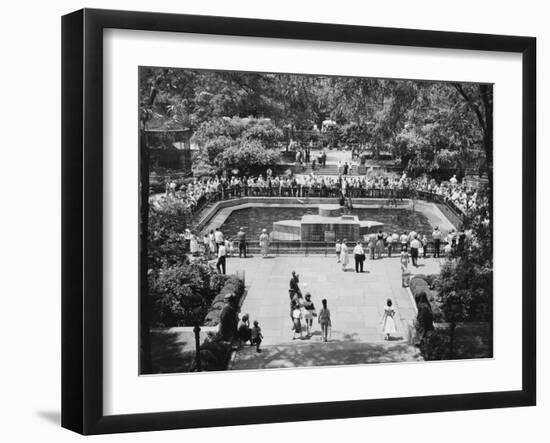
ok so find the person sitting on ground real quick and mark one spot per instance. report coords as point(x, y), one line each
point(256, 336)
point(244, 331)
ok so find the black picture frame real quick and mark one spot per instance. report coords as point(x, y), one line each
point(82, 219)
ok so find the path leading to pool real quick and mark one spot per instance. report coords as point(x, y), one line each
point(356, 302)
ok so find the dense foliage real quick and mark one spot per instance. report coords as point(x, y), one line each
point(465, 284)
point(180, 294)
point(244, 144)
point(426, 125)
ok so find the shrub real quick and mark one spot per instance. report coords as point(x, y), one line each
point(436, 346)
point(217, 282)
point(180, 294)
point(431, 280)
point(215, 353)
point(233, 285)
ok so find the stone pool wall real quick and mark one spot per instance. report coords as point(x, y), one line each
point(290, 201)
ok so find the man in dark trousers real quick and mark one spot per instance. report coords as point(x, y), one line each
point(222, 253)
point(241, 238)
point(437, 235)
point(294, 280)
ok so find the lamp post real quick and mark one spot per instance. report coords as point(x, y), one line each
point(196, 331)
point(454, 307)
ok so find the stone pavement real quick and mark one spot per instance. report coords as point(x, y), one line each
point(356, 302)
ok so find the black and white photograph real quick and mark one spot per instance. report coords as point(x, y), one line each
point(291, 220)
point(251, 222)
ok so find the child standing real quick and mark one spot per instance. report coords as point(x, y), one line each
point(297, 323)
point(388, 322)
point(256, 336)
point(404, 259)
point(338, 248)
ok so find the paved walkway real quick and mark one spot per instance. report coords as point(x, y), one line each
point(356, 302)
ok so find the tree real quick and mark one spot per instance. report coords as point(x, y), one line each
point(245, 144)
point(465, 284)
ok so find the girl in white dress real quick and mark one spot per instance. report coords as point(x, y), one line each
point(388, 323)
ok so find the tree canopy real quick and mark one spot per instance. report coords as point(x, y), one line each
point(427, 125)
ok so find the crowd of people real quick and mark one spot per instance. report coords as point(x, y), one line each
point(303, 311)
point(410, 245)
point(459, 196)
point(215, 244)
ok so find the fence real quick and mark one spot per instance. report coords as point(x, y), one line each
point(306, 248)
point(390, 195)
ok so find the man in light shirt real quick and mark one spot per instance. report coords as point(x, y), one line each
point(415, 246)
point(218, 237)
point(389, 241)
point(359, 256)
point(404, 238)
point(222, 253)
point(241, 238)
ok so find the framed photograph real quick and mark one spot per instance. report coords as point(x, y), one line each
point(269, 221)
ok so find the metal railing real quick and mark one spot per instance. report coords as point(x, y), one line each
point(305, 248)
point(390, 196)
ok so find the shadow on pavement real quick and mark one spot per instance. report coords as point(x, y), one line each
point(324, 354)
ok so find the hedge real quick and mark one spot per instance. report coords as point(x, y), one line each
point(418, 285)
point(233, 285)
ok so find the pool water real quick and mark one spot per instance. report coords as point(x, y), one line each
point(255, 219)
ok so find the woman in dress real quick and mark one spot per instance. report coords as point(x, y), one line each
point(324, 320)
point(264, 243)
point(297, 317)
point(309, 313)
point(344, 256)
point(388, 323)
